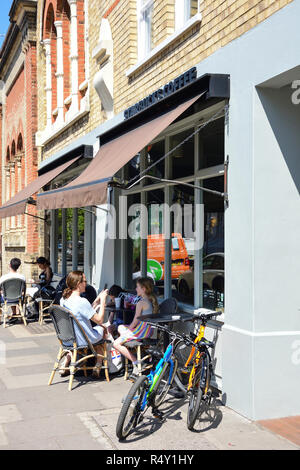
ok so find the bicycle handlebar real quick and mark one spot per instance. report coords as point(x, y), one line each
point(204, 317)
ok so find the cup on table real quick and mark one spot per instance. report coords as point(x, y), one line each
point(126, 303)
point(118, 302)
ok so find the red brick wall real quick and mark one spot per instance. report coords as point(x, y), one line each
point(66, 42)
point(30, 149)
point(14, 110)
point(61, 11)
point(1, 171)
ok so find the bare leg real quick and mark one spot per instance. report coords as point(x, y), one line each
point(123, 350)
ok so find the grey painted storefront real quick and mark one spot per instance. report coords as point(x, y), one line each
point(260, 370)
point(258, 349)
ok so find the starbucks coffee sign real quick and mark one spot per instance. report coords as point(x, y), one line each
point(180, 82)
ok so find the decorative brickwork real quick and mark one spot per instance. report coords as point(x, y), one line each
point(19, 152)
point(222, 22)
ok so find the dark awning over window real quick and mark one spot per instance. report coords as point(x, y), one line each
point(17, 204)
point(90, 188)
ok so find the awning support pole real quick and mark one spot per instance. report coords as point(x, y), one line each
point(163, 180)
point(35, 216)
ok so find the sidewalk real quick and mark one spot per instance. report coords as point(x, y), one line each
point(35, 416)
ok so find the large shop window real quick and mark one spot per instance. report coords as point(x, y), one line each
point(190, 264)
point(70, 240)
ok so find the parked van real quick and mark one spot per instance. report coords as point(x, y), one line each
point(156, 256)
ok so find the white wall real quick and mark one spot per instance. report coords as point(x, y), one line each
point(262, 225)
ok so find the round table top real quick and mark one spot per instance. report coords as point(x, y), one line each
point(156, 318)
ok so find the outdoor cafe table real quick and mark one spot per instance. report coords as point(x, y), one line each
point(166, 320)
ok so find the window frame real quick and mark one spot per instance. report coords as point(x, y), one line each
point(198, 179)
point(145, 38)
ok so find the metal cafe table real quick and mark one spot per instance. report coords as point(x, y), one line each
point(166, 320)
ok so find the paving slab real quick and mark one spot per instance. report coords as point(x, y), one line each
point(9, 414)
point(36, 416)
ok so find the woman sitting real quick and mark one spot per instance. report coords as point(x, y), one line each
point(138, 329)
point(84, 313)
point(39, 284)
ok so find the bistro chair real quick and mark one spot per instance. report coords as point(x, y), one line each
point(13, 293)
point(168, 307)
point(45, 304)
point(64, 322)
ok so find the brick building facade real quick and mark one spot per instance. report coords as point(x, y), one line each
point(21, 234)
point(95, 60)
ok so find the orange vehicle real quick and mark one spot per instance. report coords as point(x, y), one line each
point(156, 256)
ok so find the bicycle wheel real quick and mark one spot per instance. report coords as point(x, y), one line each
point(163, 383)
point(200, 386)
point(131, 408)
point(182, 353)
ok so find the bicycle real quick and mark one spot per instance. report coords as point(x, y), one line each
point(195, 368)
point(149, 391)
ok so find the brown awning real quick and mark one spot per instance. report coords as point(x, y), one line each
point(90, 188)
point(17, 204)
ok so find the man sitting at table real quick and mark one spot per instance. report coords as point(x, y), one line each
point(14, 265)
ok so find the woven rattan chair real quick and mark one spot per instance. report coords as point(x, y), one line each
point(13, 293)
point(64, 322)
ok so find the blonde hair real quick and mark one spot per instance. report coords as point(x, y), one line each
point(74, 278)
point(148, 285)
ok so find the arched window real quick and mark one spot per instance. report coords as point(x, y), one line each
point(20, 143)
point(63, 33)
point(13, 149)
point(8, 154)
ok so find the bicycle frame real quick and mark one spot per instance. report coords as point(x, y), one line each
point(197, 359)
point(153, 376)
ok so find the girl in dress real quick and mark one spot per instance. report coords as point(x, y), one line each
point(138, 329)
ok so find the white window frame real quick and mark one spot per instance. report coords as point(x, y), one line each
point(182, 12)
point(144, 8)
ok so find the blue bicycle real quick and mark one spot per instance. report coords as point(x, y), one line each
point(149, 391)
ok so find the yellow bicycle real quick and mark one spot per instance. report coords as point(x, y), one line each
point(195, 368)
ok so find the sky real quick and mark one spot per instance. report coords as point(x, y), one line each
point(4, 19)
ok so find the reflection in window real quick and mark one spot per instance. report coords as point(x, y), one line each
point(211, 144)
point(133, 167)
point(183, 157)
point(59, 242)
point(183, 243)
point(80, 228)
point(153, 153)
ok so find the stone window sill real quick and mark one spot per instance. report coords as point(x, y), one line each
point(196, 19)
point(45, 136)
